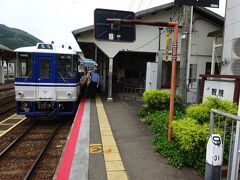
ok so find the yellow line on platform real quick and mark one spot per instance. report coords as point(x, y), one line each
point(8, 118)
point(14, 116)
point(114, 166)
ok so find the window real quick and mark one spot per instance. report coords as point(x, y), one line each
point(193, 73)
point(44, 68)
point(208, 68)
point(67, 66)
point(24, 65)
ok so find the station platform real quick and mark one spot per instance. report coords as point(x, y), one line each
point(108, 141)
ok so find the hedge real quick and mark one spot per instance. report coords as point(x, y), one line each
point(190, 130)
point(161, 99)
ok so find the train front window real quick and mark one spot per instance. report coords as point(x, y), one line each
point(45, 68)
point(24, 65)
point(67, 67)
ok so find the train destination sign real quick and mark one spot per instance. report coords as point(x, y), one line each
point(105, 30)
point(203, 3)
point(45, 46)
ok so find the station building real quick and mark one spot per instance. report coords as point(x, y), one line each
point(124, 64)
point(7, 64)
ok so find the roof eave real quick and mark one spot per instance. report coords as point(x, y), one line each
point(154, 10)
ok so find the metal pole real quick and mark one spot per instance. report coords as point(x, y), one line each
point(110, 70)
point(173, 81)
point(96, 60)
point(235, 157)
point(184, 53)
point(159, 56)
point(211, 123)
point(189, 44)
point(143, 22)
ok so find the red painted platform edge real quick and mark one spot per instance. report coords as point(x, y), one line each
point(67, 158)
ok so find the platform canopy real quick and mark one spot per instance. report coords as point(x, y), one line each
point(6, 53)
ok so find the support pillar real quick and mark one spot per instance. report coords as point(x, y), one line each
point(1, 72)
point(7, 70)
point(104, 75)
point(213, 56)
point(184, 53)
point(110, 71)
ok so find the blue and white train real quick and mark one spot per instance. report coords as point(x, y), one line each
point(47, 80)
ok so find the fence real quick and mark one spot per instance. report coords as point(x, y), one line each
point(229, 125)
point(132, 93)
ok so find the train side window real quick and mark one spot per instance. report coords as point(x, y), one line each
point(24, 65)
point(45, 68)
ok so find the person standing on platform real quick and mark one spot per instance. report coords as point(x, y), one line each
point(94, 84)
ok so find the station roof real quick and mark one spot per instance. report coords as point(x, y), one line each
point(5, 48)
point(215, 33)
point(210, 15)
point(6, 53)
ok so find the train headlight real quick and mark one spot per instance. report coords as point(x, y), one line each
point(69, 94)
point(20, 94)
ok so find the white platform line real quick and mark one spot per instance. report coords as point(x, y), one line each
point(79, 169)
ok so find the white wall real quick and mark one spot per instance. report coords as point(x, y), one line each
point(201, 44)
point(232, 30)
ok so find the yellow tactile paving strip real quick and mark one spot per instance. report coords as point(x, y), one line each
point(7, 122)
point(114, 166)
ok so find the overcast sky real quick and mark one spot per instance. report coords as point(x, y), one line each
point(54, 20)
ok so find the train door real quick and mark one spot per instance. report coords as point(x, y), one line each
point(45, 77)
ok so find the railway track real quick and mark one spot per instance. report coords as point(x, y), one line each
point(35, 153)
point(7, 100)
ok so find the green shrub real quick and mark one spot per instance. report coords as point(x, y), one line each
point(158, 121)
point(190, 134)
point(222, 105)
point(201, 112)
point(169, 150)
point(188, 145)
point(155, 98)
point(161, 99)
point(190, 130)
point(145, 111)
point(179, 105)
point(192, 140)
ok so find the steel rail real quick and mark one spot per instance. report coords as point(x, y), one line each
point(16, 140)
point(6, 103)
point(41, 153)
